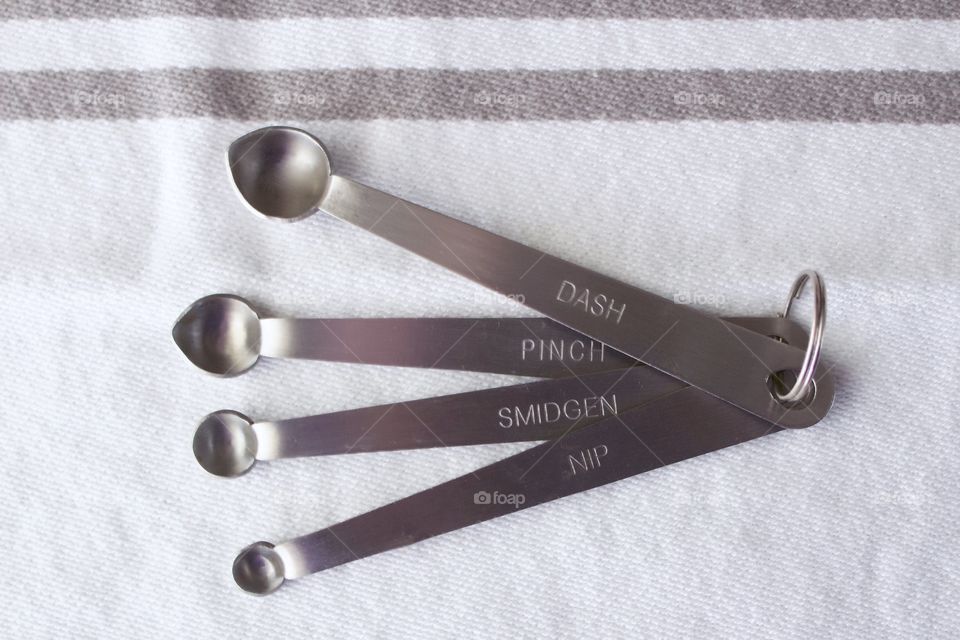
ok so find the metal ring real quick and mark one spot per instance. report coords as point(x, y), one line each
point(812, 356)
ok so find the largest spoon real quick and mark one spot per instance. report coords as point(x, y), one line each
point(285, 173)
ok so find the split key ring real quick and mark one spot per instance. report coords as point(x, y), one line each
point(811, 357)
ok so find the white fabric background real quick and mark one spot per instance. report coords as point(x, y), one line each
point(111, 228)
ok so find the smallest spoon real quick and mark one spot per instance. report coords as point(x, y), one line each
point(258, 569)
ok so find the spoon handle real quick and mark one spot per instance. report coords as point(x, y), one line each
point(533, 411)
point(536, 347)
point(528, 412)
point(722, 359)
point(679, 426)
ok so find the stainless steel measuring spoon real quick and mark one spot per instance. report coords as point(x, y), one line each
point(285, 173)
point(224, 335)
point(227, 443)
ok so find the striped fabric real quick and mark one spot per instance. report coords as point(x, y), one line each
point(707, 150)
point(424, 59)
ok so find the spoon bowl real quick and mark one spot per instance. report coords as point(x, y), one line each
point(258, 569)
point(220, 334)
point(280, 172)
point(225, 444)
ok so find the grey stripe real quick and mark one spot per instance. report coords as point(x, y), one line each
point(730, 9)
point(366, 94)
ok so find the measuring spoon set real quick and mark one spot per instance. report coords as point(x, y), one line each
point(629, 381)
